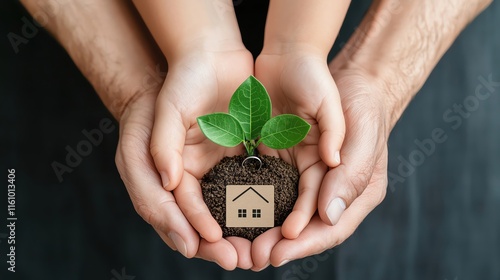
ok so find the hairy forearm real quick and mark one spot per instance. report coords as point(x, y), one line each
point(295, 24)
point(107, 42)
point(180, 27)
point(400, 42)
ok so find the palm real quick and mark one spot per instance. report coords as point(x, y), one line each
point(300, 85)
point(213, 87)
point(195, 86)
point(269, 71)
point(137, 170)
point(364, 169)
point(363, 103)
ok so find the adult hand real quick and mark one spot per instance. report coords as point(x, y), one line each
point(377, 72)
point(362, 175)
point(156, 205)
point(197, 84)
point(116, 54)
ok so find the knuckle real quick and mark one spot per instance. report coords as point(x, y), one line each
point(358, 182)
point(332, 242)
point(146, 213)
point(130, 153)
point(382, 190)
point(337, 238)
point(381, 197)
point(151, 213)
point(155, 150)
point(344, 236)
point(133, 142)
point(119, 161)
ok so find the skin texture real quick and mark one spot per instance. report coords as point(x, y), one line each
point(205, 63)
point(293, 68)
point(376, 74)
point(117, 55)
point(99, 46)
point(202, 44)
point(398, 59)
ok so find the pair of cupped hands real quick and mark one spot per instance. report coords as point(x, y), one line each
point(162, 154)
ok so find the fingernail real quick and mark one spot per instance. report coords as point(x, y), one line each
point(164, 179)
point(265, 266)
point(337, 157)
point(335, 210)
point(179, 243)
point(284, 262)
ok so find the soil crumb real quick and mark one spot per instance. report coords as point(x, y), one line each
point(229, 171)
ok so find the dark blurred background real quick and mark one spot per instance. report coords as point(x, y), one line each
point(440, 220)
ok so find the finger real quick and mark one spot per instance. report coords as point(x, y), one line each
point(243, 250)
point(167, 142)
point(318, 236)
point(306, 244)
point(153, 203)
point(165, 216)
point(221, 252)
point(325, 107)
point(167, 240)
point(331, 124)
point(190, 200)
point(262, 247)
point(347, 181)
point(305, 206)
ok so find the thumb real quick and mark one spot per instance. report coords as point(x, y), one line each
point(331, 124)
point(343, 184)
point(329, 114)
point(167, 143)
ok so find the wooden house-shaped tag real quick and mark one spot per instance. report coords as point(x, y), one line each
point(250, 206)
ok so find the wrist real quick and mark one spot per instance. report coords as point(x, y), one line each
point(389, 105)
point(290, 24)
point(283, 48)
point(180, 27)
point(203, 43)
point(398, 44)
point(116, 55)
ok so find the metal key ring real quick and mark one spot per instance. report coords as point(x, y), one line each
point(252, 157)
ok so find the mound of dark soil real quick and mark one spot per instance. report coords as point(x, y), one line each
point(229, 171)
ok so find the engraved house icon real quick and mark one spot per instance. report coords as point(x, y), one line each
point(250, 206)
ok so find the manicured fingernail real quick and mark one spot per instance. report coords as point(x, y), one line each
point(283, 263)
point(179, 243)
point(335, 210)
point(164, 179)
point(337, 157)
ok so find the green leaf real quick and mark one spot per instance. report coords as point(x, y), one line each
point(251, 106)
point(284, 131)
point(222, 129)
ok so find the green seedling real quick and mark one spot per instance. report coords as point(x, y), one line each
point(249, 122)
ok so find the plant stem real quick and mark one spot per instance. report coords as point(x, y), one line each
point(250, 146)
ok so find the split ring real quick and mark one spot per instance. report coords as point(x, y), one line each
point(252, 158)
